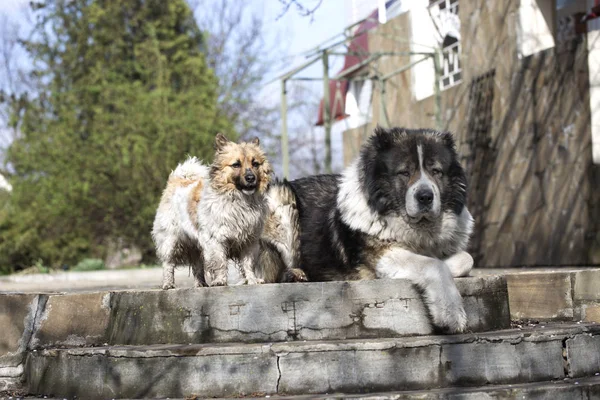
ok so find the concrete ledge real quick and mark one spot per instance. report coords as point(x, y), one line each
point(310, 311)
point(587, 388)
point(351, 366)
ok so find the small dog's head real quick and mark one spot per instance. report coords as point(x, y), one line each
point(239, 166)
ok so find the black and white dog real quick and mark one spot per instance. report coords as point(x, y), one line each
point(399, 211)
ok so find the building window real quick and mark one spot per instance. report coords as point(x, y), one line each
point(451, 72)
point(444, 14)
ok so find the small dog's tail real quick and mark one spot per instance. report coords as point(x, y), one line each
point(192, 169)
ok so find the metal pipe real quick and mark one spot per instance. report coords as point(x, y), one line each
point(285, 154)
point(326, 112)
point(436, 90)
point(404, 68)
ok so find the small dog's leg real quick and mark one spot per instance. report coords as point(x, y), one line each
point(434, 278)
point(215, 264)
point(168, 275)
point(248, 262)
point(460, 264)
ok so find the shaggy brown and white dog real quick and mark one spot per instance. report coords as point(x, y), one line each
point(210, 215)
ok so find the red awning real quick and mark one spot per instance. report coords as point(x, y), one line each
point(358, 50)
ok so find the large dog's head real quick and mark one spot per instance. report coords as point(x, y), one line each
point(239, 167)
point(414, 174)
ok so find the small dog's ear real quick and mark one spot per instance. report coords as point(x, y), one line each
point(220, 141)
point(256, 141)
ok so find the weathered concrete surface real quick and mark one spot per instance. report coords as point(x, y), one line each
point(73, 320)
point(278, 312)
point(352, 366)
point(17, 319)
point(557, 294)
point(275, 312)
point(310, 311)
point(584, 389)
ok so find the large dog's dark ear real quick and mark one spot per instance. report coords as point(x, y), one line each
point(448, 140)
point(382, 138)
point(220, 141)
point(458, 186)
point(375, 187)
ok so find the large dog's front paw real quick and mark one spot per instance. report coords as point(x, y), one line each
point(168, 285)
point(460, 264)
point(448, 313)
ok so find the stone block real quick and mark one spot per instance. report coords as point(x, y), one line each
point(358, 370)
point(78, 319)
point(17, 315)
point(587, 285)
point(153, 372)
point(591, 312)
point(583, 354)
point(540, 296)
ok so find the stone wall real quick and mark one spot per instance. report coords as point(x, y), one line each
point(524, 137)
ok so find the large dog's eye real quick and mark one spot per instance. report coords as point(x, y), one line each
point(255, 164)
point(403, 173)
point(437, 172)
point(236, 164)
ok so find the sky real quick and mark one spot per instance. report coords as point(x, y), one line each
point(294, 33)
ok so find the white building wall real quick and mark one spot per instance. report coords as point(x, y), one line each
point(536, 26)
point(423, 39)
point(593, 38)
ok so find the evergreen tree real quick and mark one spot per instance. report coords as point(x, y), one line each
point(123, 94)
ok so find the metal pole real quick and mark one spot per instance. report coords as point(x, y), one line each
point(326, 113)
point(284, 133)
point(436, 89)
point(383, 117)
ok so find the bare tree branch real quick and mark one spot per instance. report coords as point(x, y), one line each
point(300, 8)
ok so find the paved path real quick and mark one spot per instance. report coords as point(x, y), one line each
point(149, 278)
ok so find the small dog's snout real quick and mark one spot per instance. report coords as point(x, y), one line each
point(250, 178)
point(424, 197)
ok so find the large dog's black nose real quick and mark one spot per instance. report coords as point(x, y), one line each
point(425, 197)
point(250, 178)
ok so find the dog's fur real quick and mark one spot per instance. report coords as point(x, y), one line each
point(210, 215)
point(399, 211)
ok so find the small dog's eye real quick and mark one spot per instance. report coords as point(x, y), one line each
point(236, 164)
point(255, 164)
point(437, 171)
point(403, 173)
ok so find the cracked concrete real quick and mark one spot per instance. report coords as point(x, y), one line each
point(265, 313)
point(350, 366)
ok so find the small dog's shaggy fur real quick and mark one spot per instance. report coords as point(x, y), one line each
point(209, 215)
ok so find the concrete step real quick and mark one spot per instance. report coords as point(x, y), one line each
point(564, 389)
point(257, 313)
point(348, 366)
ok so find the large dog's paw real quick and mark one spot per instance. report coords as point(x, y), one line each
point(168, 285)
point(255, 281)
point(460, 264)
point(448, 313)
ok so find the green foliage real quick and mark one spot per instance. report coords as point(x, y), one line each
point(123, 94)
point(89, 264)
